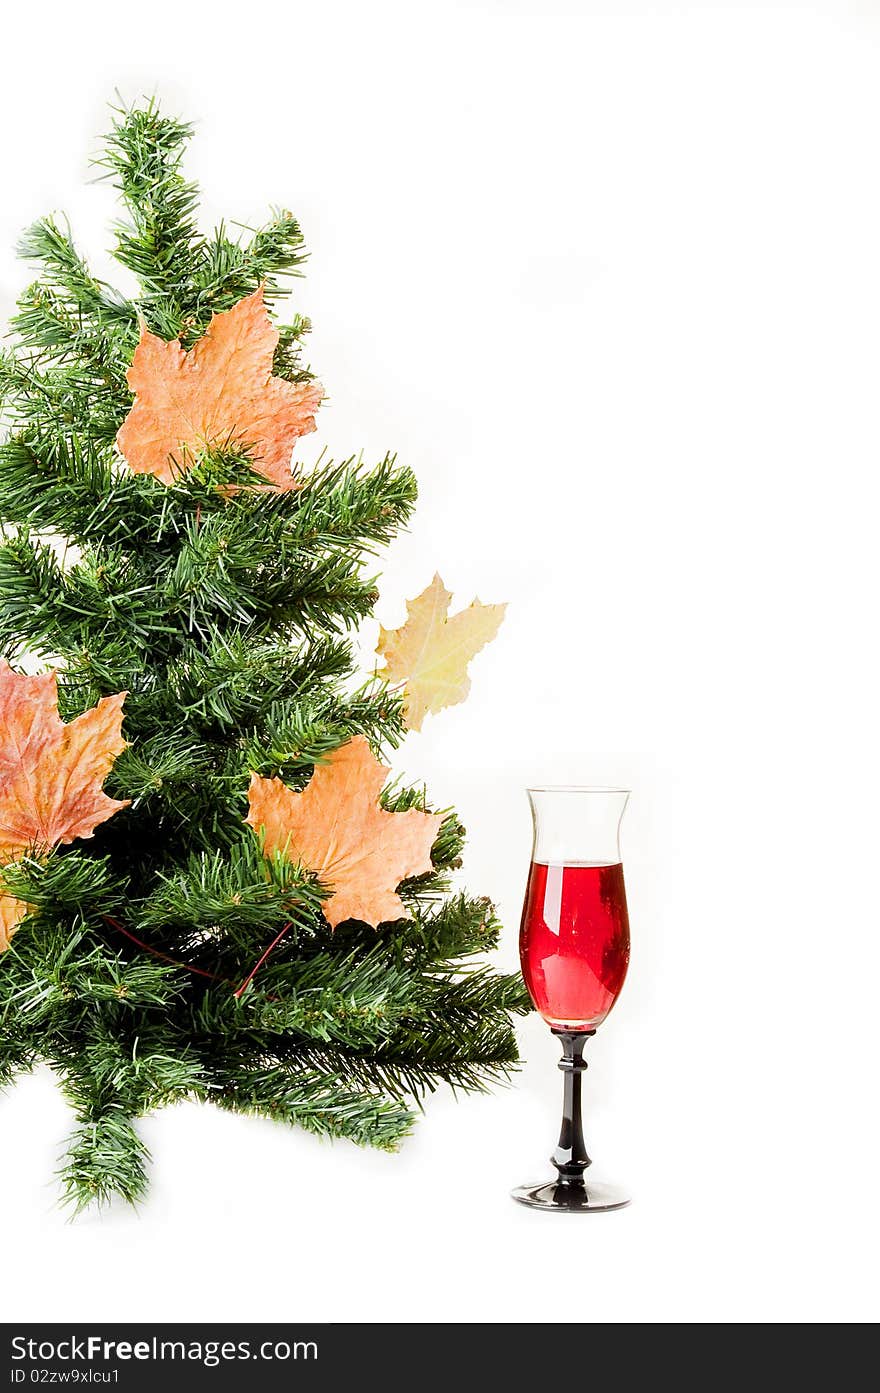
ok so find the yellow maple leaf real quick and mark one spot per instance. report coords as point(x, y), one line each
point(220, 393)
point(50, 774)
point(430, 653)
point(336, 828)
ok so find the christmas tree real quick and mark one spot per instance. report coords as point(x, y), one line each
point(206, 892)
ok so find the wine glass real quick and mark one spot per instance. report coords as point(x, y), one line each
point(574, 950)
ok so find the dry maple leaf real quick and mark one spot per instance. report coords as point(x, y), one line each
point(336, 829)
point(50, 773)
point(12, 911)
point(220, 393)
point(430, 653)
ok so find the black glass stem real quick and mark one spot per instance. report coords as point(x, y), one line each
point(570, 1157)
point(569, 1193)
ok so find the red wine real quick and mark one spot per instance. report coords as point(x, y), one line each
point(574, 942)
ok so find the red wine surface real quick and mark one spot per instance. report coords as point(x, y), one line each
point(574, 942)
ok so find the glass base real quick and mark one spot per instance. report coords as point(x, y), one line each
point(585, 1198)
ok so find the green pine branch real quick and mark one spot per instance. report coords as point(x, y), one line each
point(228, 615)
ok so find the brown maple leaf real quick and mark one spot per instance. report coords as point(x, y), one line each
point(50, 773)
point(12, 911)
point(221, 393)
point(336, 829)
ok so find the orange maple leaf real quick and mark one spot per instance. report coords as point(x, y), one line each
point(50, 773)
point(336, 829)
point(12, 911)
point(220, 393)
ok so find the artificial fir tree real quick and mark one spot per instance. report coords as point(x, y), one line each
point(222, 600)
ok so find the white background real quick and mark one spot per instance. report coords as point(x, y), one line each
point(608, 277)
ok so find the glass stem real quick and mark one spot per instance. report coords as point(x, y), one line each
point(570, 1157)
